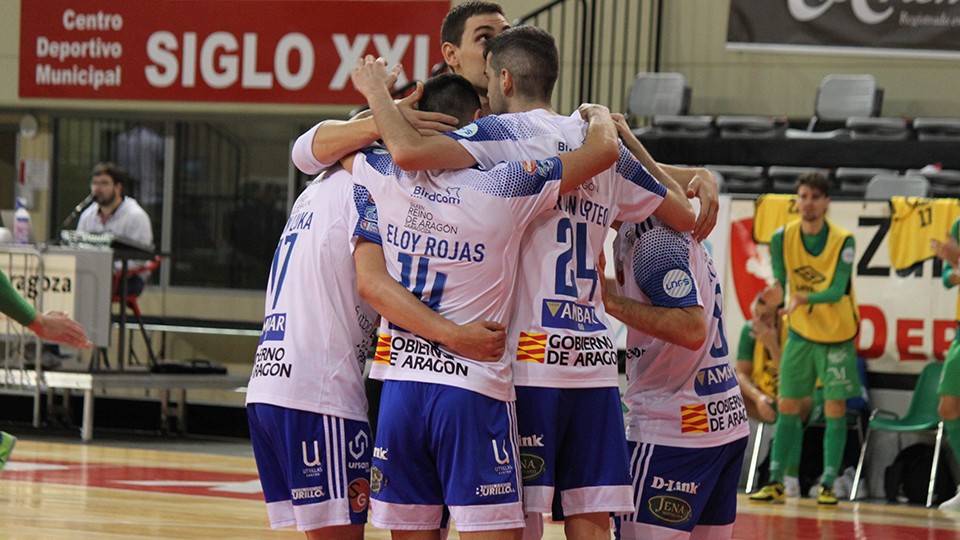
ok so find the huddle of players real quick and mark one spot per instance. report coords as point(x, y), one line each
point(452, 238)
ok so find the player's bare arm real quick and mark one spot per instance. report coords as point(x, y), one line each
point(483, 341)
point(697, 181)
point(409, 149)
point(598, 153)
point(680, 325)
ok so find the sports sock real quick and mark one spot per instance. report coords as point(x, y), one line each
point(834, 440)
point(789, 434)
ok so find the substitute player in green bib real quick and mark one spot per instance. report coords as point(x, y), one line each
point(949, 389)
point(812, 259)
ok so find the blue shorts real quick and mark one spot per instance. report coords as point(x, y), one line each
point(561, 430)
point(314, 468)
point(677, 489)
point(437, 445)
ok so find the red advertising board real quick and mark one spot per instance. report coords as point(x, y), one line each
point(248, 51)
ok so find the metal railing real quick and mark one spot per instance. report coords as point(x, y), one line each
point(603, 44)
point(19, 347)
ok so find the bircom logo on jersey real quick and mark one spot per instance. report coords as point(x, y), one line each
point(715, 379)
point(274, 327)
point(569, 315)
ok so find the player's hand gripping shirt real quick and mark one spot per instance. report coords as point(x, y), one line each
point(560, 329)
point(453, 239)
point(676, 397)
point(316, 329)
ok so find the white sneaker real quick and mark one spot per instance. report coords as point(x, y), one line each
point(842, 486)
point(951, 505)
point(791, 486)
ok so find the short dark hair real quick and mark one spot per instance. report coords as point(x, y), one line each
point(530, 54)
point(111, 169)
point(815, 180)
point(451, 94)
point(455, 22)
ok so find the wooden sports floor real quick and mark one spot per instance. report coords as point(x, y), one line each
point(153, 487)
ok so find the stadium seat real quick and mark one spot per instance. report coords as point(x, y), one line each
point(784, 178)
point(852, 181)
point(886, 128)
point(937, 129)
point(942, 183)
point(921, 416)
point(884, 186)
point(741, 179)
point(683, 126)
point(658, 93)
point(751, 127)
point(840, 97)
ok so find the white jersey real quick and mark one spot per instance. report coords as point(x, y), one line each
point(676, 397)
point(560, 329)
point(453, 239)
point(316, 330)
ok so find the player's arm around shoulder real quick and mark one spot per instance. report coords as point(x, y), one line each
point(599, 152)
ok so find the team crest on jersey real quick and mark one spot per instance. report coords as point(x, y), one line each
point(382, 354)
point(570, 315)
point(531, 347)
point(529, 166)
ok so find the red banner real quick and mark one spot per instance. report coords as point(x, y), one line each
point(248, 51)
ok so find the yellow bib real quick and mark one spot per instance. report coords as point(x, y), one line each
point(770, 212)
point(764, 374)
point(821, 323)
point(914, 221)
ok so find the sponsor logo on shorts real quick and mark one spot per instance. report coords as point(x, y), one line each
point(358, 446)
point(359, 493)
point(570, 315)
point(669, 508)
point(489, 490)
point(532, 347)
point(675, 485)
point(311, 461)
point(531, 441)
point(315, 492)
point(274, 327)
point(380, 453)
point(377, 480)
point(715, 379)
point(501, 454)
point(531, 467)
point(836, 356)
point(713, 416)
point(635, 352)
